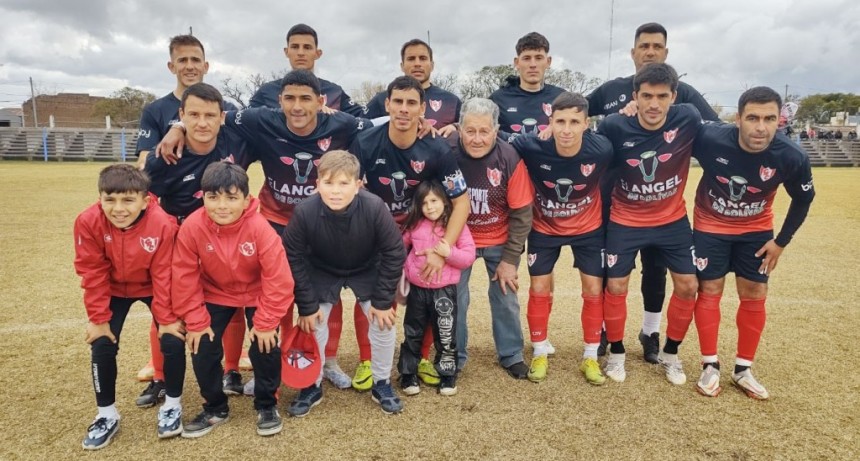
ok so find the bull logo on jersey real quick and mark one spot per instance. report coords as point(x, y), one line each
point(324, 143)
point(494, 175)
point(738, 186)
point(149, 244)
point(586, 169)
point(653, 160)
point(399, 184)
point(435, 104)
point(247, 248)
point(669, 136)
point(529, 125)
point(417, 167)
point(547, 109)
point(303, 164)
point(563, 188)
point(611, 260)
point(766, 173)
point(532, 258)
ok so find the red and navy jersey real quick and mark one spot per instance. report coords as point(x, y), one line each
point(736, 193)
point(178, 186)
point(521, 111)
point(393, 173)
point(333, 96)
point(157, 118)
point(615, 94)
point(498, 182)
point(566, 189)
point(652, 166)
point(443, 107)
point(289, 161)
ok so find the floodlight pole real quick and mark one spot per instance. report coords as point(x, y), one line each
point(33, 100)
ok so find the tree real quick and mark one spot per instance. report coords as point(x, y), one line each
point(367, 91)
point(570, 80)
point(818, 108)
point(481, 83)
point(447, 82)
point(241, 91)
point(124, 106)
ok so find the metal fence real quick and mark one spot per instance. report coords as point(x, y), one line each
point(67, 144)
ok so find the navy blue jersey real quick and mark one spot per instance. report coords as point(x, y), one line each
point(567, 189)
point(157, 118)
point(521, 111)
point(289, 161)
point(736, 193)
point(613, 95)
point(443, 107)
point(178, 186)
point(393, 173)
point(333, 96)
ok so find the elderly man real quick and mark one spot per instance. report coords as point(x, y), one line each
point(500, 219)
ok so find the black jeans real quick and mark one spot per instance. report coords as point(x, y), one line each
point(438, 307)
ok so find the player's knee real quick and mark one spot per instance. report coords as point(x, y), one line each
point(686, 287)
point(712, 287)
point(104, 348)
point(171, 345)
point(616, 287)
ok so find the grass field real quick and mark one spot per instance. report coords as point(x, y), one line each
point(808, 359)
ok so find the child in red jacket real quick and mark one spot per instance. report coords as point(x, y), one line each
point(123, 250)
point(228, 256)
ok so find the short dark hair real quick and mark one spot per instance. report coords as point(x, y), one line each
point(203, 91)
point(224, 177)
point(302, 77)
point(759, 95)
point(532, 41)
point(406, 82)
point(656, 74)
point(651, 28)
point(185, 40)
point(123, 177)
point(415, 42)
point(302, 29)
point(568, 100)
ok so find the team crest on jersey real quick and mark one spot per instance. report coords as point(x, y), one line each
point(198, 194)
point(149, 244)
point(669, 136)
point(210, 248)
point(611, 260)
point(586, 169)
point(417, 166)
point(701, 263)
point(547, 109)
point(652, 160)
point(532, 258)
point(435, 104)
point(108, 238)
point(495, 176)
point(247, 248)
point(229, 159)
point(738, 186)
point(324, 144)
point(766, 173)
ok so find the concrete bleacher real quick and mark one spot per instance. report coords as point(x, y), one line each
point(832, 153)
point(66, 144)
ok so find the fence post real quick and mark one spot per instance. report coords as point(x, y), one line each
point(45, 143)
point(122, 143)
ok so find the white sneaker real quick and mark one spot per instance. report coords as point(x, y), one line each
point(169, 422)
point(248, 389)
point(672, 366)
point(333, 373)
point(550, 349)
point(709, 382)
point(747, 383)
point(614, 368)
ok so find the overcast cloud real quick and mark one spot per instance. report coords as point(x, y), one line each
point(100, 46)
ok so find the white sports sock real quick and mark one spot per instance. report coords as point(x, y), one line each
point(710, 359)
point(108, 412)
point(651, 322)
point(742, 362)
point(171, 402)
point(540, 347)
point(590, 351)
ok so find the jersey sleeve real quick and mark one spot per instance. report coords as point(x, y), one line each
point(595, 101)
point(520, 188)
point(376, 106)
point(93, 266)
point(148, 134)
point(450, 175)
point(276, 280)
point(351, 107)
point(186, 286)
point(245, 123)
point(695, 98)
point(800, 188)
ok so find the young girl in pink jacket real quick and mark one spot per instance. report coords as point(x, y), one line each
point(432, 301)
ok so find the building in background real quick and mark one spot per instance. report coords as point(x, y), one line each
point(11, 117)
point(69, 110)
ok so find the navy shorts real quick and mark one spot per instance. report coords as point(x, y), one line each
point(544, 250)
point(674, 242)
point(718, 254)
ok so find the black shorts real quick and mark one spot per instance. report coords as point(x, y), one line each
point(718, 254)
point(673, 240)
point(544, 250)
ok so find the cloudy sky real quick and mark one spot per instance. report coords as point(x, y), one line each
point(99, 46)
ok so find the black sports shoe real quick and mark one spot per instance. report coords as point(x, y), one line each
point(100, 432)
point(604, 343)
point(153, 394)
point(232, 382)
point(269, 422)
point(518, 370)
point(308, 398)
point(448, 385)
point(650, 346)
point(409, 384)
point(384, 395)
point(203, 423)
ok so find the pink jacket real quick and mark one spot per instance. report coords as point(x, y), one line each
point(425, 236)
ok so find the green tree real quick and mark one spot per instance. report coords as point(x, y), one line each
point(481, 83)
point(818, 108)
point(124, 106)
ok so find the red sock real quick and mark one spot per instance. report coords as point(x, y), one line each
point(427, 342)
point(362, 328)
point(679, 315)
point(592, 318)
point(708, 322)
point(537, 314)
point(335, 326)
point(233, 339)
point(750, 320)
point(155, 351)
point(614, 315)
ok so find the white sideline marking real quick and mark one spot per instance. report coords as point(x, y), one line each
point(61, 324)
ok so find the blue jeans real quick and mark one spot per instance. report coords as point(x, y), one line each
point(504, 309)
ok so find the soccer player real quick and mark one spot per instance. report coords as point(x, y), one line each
point(416, 59)
point(743, 165)
point(525, 101)
point(123, 249)
point(565, 174)
point(302, 51)
point(345, 236)
point(228, 256)
point(500, 218)
point(652, 156)
point(649, 46)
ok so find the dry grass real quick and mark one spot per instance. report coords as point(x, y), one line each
point(808, 359)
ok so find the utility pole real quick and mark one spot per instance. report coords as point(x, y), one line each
point(611, 21)
point(785, 98)
point(428, 36)
point(33, 100)
point(190, 32)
